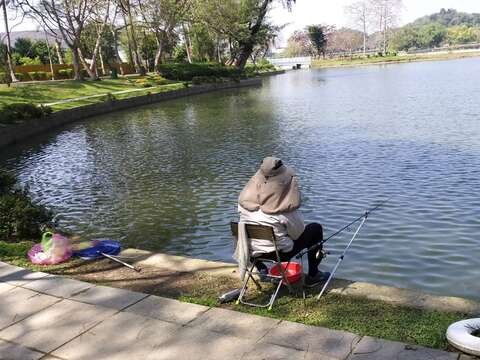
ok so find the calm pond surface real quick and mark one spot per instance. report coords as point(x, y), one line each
point(166, 177)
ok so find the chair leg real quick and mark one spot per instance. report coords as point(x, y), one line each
point(245, 284)
point(274, 295)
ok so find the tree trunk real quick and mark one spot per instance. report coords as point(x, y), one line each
point(139, 68)
point(243, 55)
point(102, 63)
point(364, 34)
point(59, 51)
point(385, 31)
point(246, 47)
point(49, 56)
point(188, 43)
point(11, 68)
point(129, 41)
point(90, 69)
point(158, 54)
point(118, 59)
point(77, 75)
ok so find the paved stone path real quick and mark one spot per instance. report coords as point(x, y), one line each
point(45, 316)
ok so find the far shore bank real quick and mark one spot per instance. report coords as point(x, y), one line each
point(399, 59)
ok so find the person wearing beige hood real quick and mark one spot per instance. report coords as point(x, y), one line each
point(271, 197)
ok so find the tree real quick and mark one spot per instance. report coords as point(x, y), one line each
point(161, 17)
point(431, 35)
point(345, 40)
point(130, 28)
point(67, 17)
point(243, 23)
point(8, 48)
point(462, 34)
point(359, 12)
point(386, 14)
point(318, 35)
point(298, 44)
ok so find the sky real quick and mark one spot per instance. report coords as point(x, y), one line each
point(306, 12)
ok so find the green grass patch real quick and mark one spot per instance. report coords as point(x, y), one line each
point(39, 93)
point(354, 314)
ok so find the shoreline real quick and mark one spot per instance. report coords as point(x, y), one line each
point(390, 294)
point(385, 312)
point(15, 133)
point(400, 59)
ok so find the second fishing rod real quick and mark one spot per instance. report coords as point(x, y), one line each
point(320, 244)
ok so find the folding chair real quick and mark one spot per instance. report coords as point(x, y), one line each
point(265, 233)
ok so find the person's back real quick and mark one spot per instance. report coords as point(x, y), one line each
point(272, 198)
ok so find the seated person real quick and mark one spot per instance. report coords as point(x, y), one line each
point(272, 198)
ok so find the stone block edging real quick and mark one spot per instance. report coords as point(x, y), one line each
point(389, 294)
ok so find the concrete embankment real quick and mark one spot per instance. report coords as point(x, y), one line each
point(392, 295)
point(15, 133)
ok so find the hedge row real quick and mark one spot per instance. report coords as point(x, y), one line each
point(186, 72)
point(10, 113)
point(41, 75)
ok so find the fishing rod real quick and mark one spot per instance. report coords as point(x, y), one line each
point(364, 218)
point(342, 256)
point(320, 244)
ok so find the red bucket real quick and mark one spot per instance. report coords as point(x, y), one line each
point(293, 271)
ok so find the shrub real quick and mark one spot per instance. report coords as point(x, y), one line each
point(186, 72)
point(48, 75)
point(20, 218)
point(66, 73)
point(20, 76)
point(84, 73)
point(10, 113)
point(3, 78)
point(25, 60)
point(37, 75)
point(110, 97)
point(159, 80)
point(197, 80)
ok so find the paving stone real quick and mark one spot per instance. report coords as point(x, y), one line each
point(18, 303)
point(235, 323)
point(18, 276)
point(5, 287)
point(123, 336)
point(377, 349)
point(109, 297)
point(10, 351)
point(333, 343)
point(55, 325)
point(167, 309)
point(468, 357)
point(193, 343)
point(262, 351)
point(58, 286)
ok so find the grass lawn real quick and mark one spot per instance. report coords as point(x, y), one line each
point(41, 93)
point(389, 59)
point(358, 315)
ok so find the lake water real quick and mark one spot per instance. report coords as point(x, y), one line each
point(166, 177)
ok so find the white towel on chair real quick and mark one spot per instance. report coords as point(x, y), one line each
point(241, 253)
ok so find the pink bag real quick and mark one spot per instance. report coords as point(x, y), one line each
point(58, 252)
